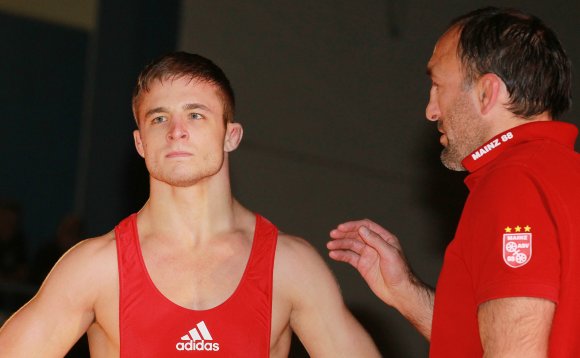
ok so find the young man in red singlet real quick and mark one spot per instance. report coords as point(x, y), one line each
point(192, 273)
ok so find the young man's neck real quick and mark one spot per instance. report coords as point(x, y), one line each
point(199, 211)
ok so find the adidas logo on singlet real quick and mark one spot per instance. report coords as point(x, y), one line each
point(197, 339)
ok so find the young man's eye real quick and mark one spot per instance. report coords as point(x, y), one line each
point(195, 116)
point(159, 119)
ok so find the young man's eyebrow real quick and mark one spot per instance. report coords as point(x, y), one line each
point(155, 110)
point(186, 107)
point(191, 106)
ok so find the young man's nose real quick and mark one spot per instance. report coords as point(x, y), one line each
point(177, 130)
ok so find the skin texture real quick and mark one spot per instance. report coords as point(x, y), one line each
point(467, 118)
point(195, 239)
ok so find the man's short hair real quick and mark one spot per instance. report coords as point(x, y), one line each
point(182, 64)
point(523, 52)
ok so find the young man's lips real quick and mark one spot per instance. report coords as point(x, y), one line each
point(178, 154)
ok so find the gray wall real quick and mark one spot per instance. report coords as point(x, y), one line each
point(331, 95)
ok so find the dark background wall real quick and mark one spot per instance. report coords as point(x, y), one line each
point(112, 180)
point(41, 90)
point(331, 95)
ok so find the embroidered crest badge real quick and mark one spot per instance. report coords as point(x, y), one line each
point(517, 246)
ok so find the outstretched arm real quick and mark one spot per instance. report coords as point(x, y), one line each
point(377, 255)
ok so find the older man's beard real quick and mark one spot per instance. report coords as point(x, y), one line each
point(464, 133)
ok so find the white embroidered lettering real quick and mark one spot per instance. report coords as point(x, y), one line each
point(486, 149)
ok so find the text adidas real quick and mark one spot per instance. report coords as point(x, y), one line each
point(197, 346)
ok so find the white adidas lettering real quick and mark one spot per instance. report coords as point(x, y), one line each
point(197, 340)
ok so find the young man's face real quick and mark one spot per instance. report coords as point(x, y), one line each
point(181, 131)
point(452, 105)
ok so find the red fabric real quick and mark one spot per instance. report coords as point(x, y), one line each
point(518, 236)
point(153, 326)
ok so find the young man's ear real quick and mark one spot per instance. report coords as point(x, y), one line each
point(138, 143)
point(489, 90)
point(234, 133)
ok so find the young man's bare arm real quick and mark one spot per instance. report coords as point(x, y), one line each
point(61, 311)
point(319, 316)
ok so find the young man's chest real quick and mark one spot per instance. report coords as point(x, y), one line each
point(195, 282)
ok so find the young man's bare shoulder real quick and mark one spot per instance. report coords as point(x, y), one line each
point(99, 247)
point(291, 246)
point(85, 271)
point(301, 276)
point(94, 254)
point(297, 258)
